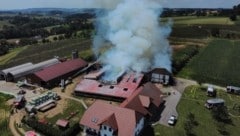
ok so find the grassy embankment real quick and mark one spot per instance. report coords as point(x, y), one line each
point(4, 115)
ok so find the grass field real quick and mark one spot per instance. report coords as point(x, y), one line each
point(193, 20)
point(37, 53)
point(218, 63)
point(72, 106)
point(4, 114)
point(193, 100)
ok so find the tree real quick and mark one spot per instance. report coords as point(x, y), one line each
point(55, 38)
point(233, 17)
point(3, 49)
point(220, 114)
point(189, 124)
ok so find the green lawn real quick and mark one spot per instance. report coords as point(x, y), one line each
point(193, 101)
point(193, 20)
point(218, 63)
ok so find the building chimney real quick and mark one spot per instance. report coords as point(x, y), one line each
point(75, 54)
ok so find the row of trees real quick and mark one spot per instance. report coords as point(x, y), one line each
point(25, 26)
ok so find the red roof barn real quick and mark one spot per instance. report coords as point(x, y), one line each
point(51, 76)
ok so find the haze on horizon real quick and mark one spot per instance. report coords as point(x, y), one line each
point(24, 4)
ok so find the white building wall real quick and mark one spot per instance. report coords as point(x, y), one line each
point(106, 131)
point(139, 126)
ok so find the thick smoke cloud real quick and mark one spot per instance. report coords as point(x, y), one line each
point(139, 42)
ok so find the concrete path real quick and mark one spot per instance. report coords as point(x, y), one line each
point(170, 106)
point(173, 99)
point(72, 98)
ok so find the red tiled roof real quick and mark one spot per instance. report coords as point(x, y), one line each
point(142, 97)
point(144, 100)
point(60, 69)
point(111, 121)
point(99, 112)
point(153, 92)
point(62, 122)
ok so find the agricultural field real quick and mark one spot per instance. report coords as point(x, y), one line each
point(193, 101)
point(218, 63)
point(194, 20)
point(203, 27)
point(37, 53)
point(4, 115)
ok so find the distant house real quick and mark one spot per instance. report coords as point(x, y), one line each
point(52, 76)
point(160, 75)
point(128, 119)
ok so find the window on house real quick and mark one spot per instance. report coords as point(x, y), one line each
point(105, 135)
point(105, 127)
point(110, 129)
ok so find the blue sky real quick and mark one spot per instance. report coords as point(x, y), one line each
point(22, 4)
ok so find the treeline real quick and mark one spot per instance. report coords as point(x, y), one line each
point(236, 11)
point(196, 12)
point(181, 58)
point(32, 30)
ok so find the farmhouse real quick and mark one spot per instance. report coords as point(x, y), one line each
point(52, 76)
point(21, 71)
point(108, 120)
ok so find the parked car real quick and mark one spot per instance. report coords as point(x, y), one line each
point(172, 120)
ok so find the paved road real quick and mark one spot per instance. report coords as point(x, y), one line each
point(173, 99)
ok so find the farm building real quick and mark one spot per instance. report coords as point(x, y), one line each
point(3, 73)
point(160, 75)
point(23, 71)
point(93, 87)
point(62, 123)
point(52, 76)
point(107, 120)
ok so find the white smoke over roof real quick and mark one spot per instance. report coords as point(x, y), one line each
point(139, 42)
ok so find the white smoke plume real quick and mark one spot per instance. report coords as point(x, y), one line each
point(139, 41)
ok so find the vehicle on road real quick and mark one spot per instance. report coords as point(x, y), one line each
point(172, 120)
